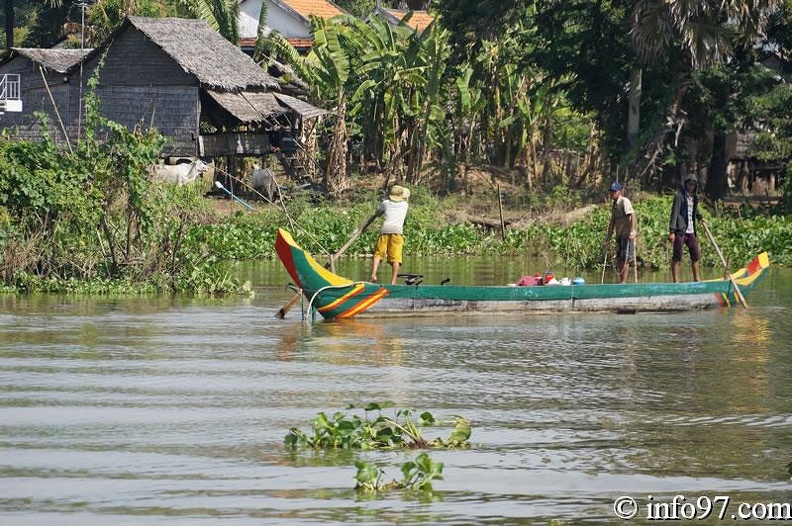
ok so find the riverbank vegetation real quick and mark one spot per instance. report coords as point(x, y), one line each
point(88, 218)
point(487, 107)
point(86, 230)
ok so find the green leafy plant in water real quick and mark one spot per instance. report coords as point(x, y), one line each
point(417, 475)
point(342, 431)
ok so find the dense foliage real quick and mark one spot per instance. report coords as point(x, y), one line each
point(90, 212)
point(543, 91)
point(553, 91)
point(741, 234)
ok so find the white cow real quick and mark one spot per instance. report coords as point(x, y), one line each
point(180, 174)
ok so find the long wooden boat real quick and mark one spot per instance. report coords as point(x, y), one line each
point(334, 296)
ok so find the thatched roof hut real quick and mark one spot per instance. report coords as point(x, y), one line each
point(56, 59)
point(177, 75)
point(214, 61)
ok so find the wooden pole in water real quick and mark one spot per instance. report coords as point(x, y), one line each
point(500, 208)
point(737, 292)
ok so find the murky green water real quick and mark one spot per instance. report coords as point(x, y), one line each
point(148, 411)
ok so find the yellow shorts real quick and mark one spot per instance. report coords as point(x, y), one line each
point(390, 245)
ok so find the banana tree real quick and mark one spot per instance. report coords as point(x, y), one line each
point(388, 99)
point(326, 70)
point(434, 43)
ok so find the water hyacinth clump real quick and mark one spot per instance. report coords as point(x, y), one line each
point(403, 431)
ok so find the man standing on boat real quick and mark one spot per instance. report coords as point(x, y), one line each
point(390, 242)
point(682, 227)
point(622, 222)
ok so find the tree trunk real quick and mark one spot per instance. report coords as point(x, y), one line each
point(9, 23)
point(335, 179)
point(634, 113)
point(643, 168)
point(716, 180)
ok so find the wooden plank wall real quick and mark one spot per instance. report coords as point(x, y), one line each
point(141, 84)
point(36, 99)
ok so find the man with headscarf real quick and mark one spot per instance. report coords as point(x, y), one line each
point(682, 227)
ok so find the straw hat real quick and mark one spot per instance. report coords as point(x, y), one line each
point(399, 194)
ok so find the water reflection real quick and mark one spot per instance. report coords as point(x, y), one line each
point(141, 410)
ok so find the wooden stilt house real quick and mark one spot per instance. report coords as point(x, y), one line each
point(178, 75)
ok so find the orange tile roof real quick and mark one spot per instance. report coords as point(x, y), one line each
point(419, 20)
point(299, 43)
point(321, 8)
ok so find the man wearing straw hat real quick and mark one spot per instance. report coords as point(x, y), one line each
point(390, 242)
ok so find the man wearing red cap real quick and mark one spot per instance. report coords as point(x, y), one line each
point(622, 222)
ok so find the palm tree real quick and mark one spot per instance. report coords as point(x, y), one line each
point(696, 34)
point(222, 15)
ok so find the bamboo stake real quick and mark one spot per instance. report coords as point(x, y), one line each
point(500, 208)
point(737, 292)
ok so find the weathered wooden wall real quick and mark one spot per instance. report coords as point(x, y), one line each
point(139, 84)
point(35, 98)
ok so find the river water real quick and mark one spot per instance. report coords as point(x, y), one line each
point(173, 411)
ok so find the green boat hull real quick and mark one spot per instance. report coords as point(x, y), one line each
point(333, 296)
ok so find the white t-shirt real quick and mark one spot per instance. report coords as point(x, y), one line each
point(690, 215)
point(395, 214)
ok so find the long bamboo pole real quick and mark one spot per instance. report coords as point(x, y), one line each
point(737, 292)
